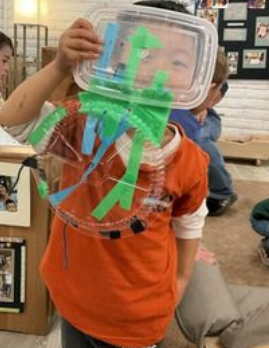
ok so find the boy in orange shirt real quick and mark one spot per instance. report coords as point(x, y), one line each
point(121, 292)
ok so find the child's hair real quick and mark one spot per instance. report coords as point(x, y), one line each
point(10, 201)
point(221, 72)
point(165, 4)
point(5, 41)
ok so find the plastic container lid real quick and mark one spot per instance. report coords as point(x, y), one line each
point(150, 55)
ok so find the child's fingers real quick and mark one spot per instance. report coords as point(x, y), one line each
point(84, 45)
point(78, 56)
point(81, 33)
point(87, 56)
point(82, 23)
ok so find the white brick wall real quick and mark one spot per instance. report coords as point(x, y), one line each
point(245, 109)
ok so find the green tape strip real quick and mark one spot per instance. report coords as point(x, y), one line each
point(152, 120)
point(103, 107)
point(43, 189)
point(108, 202)
point(124, 190)
point(47, 125)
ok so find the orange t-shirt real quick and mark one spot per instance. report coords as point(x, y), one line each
point(123, 291)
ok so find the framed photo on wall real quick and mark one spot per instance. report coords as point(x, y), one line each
point(254, 59)
point(235, 34)
point(12, 274)
point(262, 31)
point(14, 195)
point(211, 15)
point(256, 4)
point(233, 62)
point(236, 12)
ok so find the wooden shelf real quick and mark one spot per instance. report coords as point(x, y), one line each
point(252, 149)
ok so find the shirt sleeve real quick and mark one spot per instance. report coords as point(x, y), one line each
point(190, 226)
point(195, 184)
point(21, 132)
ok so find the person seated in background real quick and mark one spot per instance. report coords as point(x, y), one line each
point(259, 220)
point(6, 52)
point(221, 194)
point(203, 125)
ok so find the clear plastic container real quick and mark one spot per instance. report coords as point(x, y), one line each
point(63, 166)
point(150, 55)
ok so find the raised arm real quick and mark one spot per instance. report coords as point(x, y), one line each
point(78, 42)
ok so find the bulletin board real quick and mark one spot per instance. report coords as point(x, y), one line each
point(243, 27)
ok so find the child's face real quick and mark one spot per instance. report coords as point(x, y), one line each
point(5, 55)
point(3, 190)
point(175, 58)
point(11, 207)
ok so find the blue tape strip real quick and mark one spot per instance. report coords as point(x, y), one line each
point(60, 196)
point(111, 34)
point(89, 135)
point(108, 141)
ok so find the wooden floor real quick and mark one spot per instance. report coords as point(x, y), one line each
point(241, 171)
point(17, 340)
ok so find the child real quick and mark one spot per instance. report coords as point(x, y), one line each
point(203, 125)
point(11, 206)
point(123, 292)
point(259, 220)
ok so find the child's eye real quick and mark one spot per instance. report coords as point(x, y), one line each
point(178, 63)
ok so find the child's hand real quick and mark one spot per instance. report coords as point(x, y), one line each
point(77, 43)
point(201, 116)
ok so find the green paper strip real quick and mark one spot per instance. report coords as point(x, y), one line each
point(131, 175)
point(124, 190)
point(109, 201)
point(47, 125)
point(140, 40)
